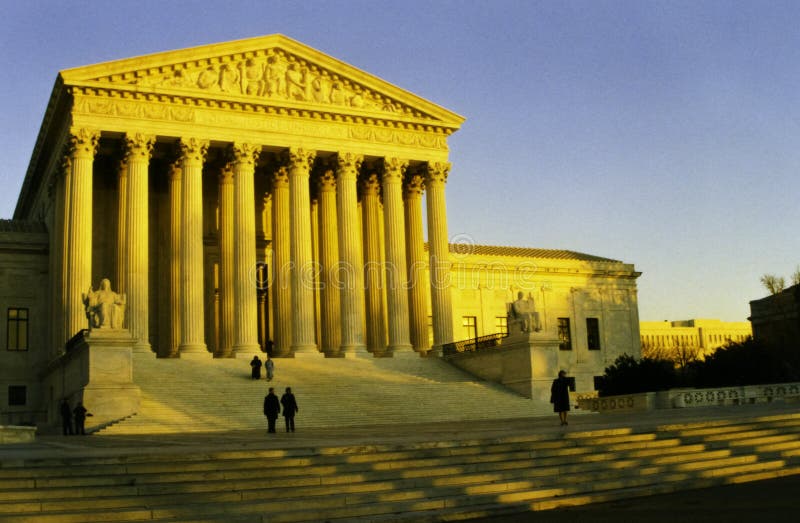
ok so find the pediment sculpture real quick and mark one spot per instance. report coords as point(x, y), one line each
point(270, 74)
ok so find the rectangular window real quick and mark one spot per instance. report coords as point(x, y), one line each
point(564, 336)
point(470, 324)
point(17, 329)
point(593, 333)
point(17, 396)
point(501, 325)
point(598, 382)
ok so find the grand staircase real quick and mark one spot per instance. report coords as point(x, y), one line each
point(443, 479)
point(185, 395)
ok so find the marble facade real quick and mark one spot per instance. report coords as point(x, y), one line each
point(259, 195)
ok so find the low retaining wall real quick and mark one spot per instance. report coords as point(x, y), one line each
point(15, 434)
point(688, 398)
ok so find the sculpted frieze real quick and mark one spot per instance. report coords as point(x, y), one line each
point(272, 74)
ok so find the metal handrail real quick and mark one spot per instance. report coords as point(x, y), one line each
point(473, 344)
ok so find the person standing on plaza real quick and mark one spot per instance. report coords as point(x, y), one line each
point(80, 418)
point(66, 417)
point(255, 365)
point(272, 408)
point(289, 408)
point(269, 365)
point(559, 396)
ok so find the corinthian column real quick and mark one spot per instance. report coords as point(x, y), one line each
point(78, 244)
point(227, 306)
point(281, 261)
point(60, 232)
point(121, 276)
point(193, 153)
point(350, 274)
point(302, 258)
point(373, 267)
point(415, 257)
point(244, 158)
point(138, 149)
point(439, 254)
point(175, 177)
point(395, 238)
point(330, 313)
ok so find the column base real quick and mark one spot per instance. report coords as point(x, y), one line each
point(302, 349)
point(244, 351)
point(355, 351)
point(205, 355)
point(308, 355)
point(403, 347)
point(142, 347)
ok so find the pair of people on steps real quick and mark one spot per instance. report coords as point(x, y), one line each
point(272, 408)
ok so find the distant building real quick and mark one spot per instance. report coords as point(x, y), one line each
point(690, 339)
point(776, 318)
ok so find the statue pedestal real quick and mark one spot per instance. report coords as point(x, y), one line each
point(526, 363)
point(98, 372)
point(530, 364)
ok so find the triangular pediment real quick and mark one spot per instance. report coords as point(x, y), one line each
point(273, 70)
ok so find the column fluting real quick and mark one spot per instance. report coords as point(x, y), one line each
point(246, 295)
point(299, 164)
point(78, 247)
point(281, 265)
point(395, 259)
point(193, 154)
point(415, 257)
point(350, 267)
point(121, 275)
point(138, 148)
point(227, 271)
point(373, 264)
point(330, 306)
point(439, 250)
point(175, 180)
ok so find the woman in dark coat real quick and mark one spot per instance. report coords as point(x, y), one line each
point(559, 396)
point(289, 409)
point(255, 364)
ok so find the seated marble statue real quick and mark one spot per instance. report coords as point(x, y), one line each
point(105, 308)
point(522, 315)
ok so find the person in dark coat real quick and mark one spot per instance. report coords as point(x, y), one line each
point(289, 409)
point(272, 408)
point(255, 364)
point(66, 417)
point(80, 418)
point(559, 396)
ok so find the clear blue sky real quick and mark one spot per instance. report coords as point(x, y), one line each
point(665, 134)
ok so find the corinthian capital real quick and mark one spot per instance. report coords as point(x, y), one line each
point(326, 181)
point(245, 154)
point(371, 185)
point(83, 142)
point(299, 158)
point(348, 164)
point(280, 178)
point(437, 173)
point(138, 146)
point(394, 169)
point(193, 149)
point(414, 186)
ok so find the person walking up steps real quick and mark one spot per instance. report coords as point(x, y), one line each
point(289, 408)
point(271, 409)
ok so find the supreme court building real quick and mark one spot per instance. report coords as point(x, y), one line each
point(261, 196)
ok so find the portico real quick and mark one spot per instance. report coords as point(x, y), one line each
point(188, 178)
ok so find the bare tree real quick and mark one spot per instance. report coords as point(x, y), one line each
point(774, 284)
point(796, 276)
